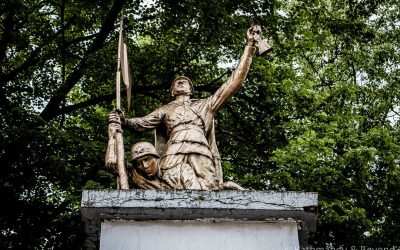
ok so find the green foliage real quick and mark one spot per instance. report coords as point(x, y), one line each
point(320, 113)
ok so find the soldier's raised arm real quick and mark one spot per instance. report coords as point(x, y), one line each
point(221, 96)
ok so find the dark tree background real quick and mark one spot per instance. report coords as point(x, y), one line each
point(320, 113)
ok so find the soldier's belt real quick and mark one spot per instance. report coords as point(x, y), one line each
point(186, 127)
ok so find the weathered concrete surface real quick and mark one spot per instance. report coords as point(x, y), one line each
point(145, 205)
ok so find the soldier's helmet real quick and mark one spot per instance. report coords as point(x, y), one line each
point(180, 78)
point(143, 148)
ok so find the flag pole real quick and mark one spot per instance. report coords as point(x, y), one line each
point(122, 175)
point(118, 80)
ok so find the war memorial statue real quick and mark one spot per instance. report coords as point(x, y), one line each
point(186, 154)
point(176, 203)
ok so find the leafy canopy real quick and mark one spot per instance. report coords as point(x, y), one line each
point(320, 113)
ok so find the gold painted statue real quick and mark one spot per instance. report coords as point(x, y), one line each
point(146, 174)
point(189, 157)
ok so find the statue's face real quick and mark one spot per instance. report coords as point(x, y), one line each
point(181, 87)
point(148, 165)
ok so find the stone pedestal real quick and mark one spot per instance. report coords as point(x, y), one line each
point(194, 219)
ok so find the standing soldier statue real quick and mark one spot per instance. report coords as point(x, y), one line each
point(186, 126)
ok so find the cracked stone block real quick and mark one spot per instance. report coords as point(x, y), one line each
point(123, 216)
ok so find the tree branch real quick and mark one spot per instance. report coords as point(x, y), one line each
point(53, 106)
point(142, 89)
point(32, 58)
point(109, 97)
point(311, 63)
point(80, 39)
point(6, 36)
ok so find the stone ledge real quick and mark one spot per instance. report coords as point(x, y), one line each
point(101, 205)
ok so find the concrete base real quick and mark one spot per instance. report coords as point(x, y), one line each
point(193, 219)
point(206, 234)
